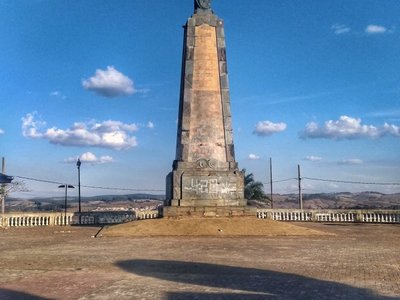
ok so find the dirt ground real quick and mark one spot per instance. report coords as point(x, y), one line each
point(292, 261)
point(240, 226)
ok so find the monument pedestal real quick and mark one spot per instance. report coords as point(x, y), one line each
point(205, 187)
point(209, 211)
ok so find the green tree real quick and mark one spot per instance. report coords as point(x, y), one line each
point(253, 190)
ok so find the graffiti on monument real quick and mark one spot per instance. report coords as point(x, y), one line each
point(211, 187)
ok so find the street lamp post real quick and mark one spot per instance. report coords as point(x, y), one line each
point(78, 164)
point(66, 186)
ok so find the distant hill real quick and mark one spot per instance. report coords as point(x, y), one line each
point(344, 200)
point(131, 201)
point(124, 197)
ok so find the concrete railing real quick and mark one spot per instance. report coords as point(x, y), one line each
point(351, 216)
point(147, 214)
point(85, 218)
point(35, 219)
point(116, 217)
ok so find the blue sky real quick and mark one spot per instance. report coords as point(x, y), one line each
point(314, 83)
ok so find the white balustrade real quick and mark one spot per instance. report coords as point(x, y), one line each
point(345, 216)
point(143, 215)
point(292, 215)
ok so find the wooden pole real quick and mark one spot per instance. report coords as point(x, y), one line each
point(65, 204)
point(3, 189)
point(270, 177)
point(300, 194)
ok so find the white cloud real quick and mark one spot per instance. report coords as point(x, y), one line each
point(265, 128)
point(107, 134)
point(57, 94)
point(375, 29)
point(253, 156)
point(391, 129)
point(313, 158)
point(89, 157)
point(150, 125)
point(2, 131)
point(340, 29)
point(109, 83)
point(348, 128)
point(30, 126)
point(352, 161)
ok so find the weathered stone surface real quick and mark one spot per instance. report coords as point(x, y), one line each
point(209, 211)
point(205, 173)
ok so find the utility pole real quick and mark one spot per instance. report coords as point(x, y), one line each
point(66, 186)
point(270, 177)
point(300, 194)
point(78, 164)
point(3, 186)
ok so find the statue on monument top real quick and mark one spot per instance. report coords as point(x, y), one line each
point(202, 4)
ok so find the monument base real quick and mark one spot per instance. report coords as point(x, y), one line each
point(205, 188)
point(209, 211)
point(208, 202)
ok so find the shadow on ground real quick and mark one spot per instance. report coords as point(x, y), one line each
point(244, 283)
point(6, 294)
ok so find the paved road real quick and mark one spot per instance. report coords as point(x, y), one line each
point(358, 262)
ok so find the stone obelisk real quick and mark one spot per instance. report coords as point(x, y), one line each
point(205, 173)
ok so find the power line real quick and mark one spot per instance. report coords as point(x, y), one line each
point(351, 182)
point(283, 180)
point(121, 189)
point(89, 186)
point(278, 181)
point(38, 180)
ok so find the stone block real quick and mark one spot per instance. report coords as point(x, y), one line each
point(169, 186)
point(185, 152)
point(190, 41)
point(191, 22)
point(210, 214)
point(228, 123)
point(190, 26)
point(228, 138)
point(223, 68)
point(233, 165)
point(226, 97)
point(213, 20)
point(185, 137)
point(169, 213)
point(221, 54)
point(188, 81)
point(237, 213)
point(224, 81)
point(226, 110)
point(189, 70)
point(240, 210)
point(220, 32)
point(220, 41)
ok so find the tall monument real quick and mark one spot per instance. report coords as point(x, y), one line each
point(204, 172)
